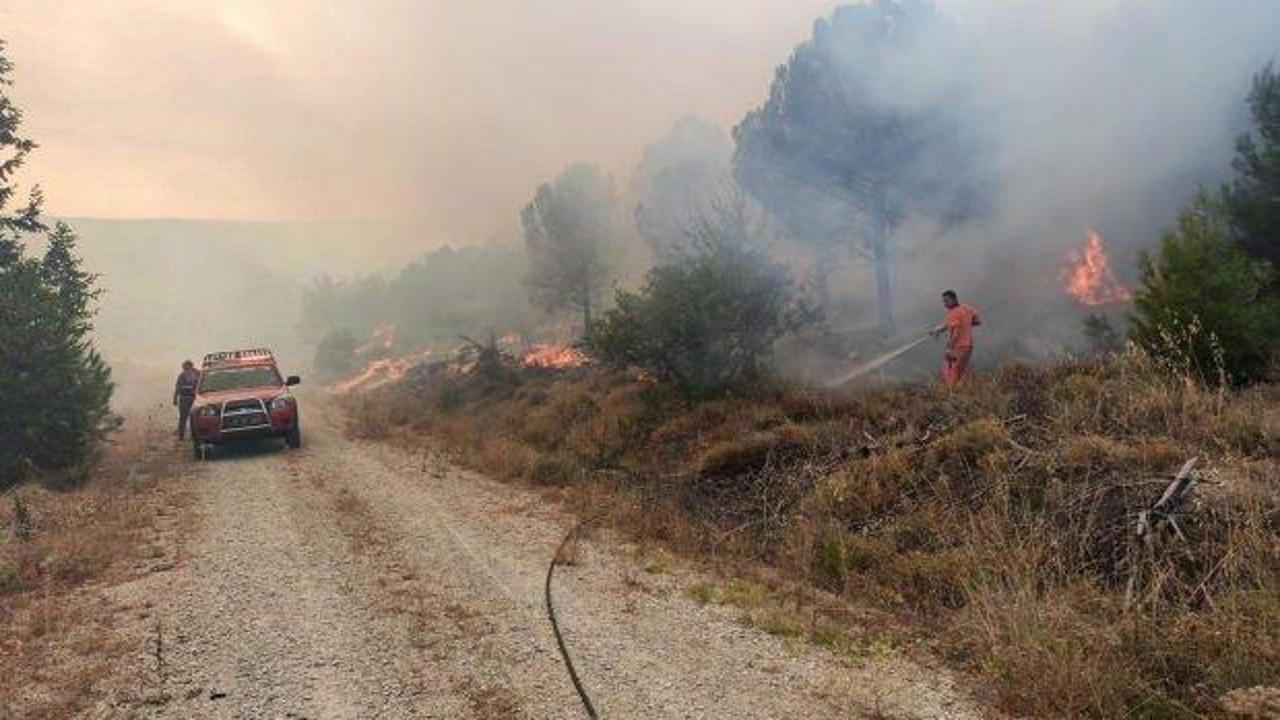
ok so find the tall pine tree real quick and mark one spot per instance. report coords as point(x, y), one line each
point(841, 158)
point(54, 387)
point(571, 233)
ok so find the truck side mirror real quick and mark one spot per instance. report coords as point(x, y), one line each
point(292, 380)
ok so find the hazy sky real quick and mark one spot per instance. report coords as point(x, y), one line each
point(446, 110)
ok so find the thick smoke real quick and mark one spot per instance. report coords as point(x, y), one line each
point(443, 118)
point(174, 289)
point(1103, 115)
point(447, 114)
point(679, 179)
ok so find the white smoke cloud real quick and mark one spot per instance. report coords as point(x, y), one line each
point(1102, 113)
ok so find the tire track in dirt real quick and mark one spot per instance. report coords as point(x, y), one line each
point(452, 635)
point(267, 618)
point(488, 643)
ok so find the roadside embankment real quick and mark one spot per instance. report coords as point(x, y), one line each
point(994, 525)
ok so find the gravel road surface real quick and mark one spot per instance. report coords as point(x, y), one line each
point(350, 579)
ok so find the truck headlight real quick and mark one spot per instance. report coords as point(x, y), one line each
point(206, 411)
point(279, 403)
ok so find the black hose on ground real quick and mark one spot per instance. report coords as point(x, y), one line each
point(555, 626)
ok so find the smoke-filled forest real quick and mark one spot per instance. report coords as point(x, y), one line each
point(901, 150)
point(927, 340)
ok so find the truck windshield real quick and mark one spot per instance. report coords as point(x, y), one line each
point(237, 378)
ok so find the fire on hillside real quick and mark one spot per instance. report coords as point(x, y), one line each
point(553, 356)
point(374, 375)
point(1088, 276)
point(382, 371)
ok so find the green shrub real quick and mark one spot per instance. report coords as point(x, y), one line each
point(706, 321)
point(1204, 307)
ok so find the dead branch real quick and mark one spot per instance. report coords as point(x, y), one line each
point(1163, 513)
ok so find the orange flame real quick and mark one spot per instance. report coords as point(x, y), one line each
point(553, 356)
point(376, 374)
point(1088, 275)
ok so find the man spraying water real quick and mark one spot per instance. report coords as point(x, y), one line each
point(960, 321)
point(959, 324)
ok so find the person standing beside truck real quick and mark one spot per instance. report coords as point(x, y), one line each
point(959, 324)
point(184, 394)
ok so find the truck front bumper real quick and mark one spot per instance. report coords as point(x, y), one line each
point(214, 431)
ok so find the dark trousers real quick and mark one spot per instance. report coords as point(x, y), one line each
point(184, 413)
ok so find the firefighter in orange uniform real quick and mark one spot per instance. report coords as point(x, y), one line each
point(959, 324)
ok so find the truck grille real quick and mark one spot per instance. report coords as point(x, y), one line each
point(237, 405)
point(244, 414)
point(244, 421)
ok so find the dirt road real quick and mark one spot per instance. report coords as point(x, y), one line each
point(354, 580)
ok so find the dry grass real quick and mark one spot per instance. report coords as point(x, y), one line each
point(996, 519)
point(57, 650)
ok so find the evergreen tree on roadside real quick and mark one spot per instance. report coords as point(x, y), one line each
point(55, 389)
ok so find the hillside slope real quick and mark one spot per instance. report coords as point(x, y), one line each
point(996, 521)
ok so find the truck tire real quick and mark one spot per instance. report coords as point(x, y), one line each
point(293, 438)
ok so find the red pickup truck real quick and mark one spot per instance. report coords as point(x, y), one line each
point(241, 396)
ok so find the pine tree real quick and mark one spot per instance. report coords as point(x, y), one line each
point(54, 386)
point(571, 233)
point(1252, 200)
point(840, 162)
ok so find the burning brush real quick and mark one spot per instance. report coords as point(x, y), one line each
point(559, 357)
point(374, 375)
point(1088, 277)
